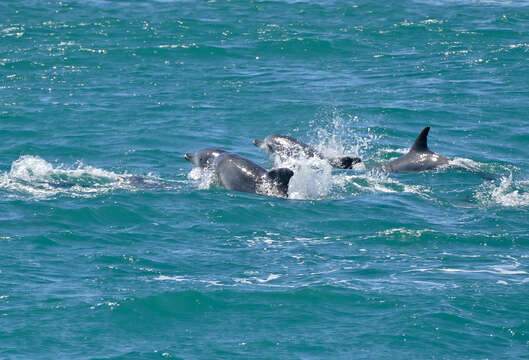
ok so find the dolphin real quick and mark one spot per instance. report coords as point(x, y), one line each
point(418, 158)
point(237, 173)
point(286, 146)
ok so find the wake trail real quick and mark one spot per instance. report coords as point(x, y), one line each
point(33, 177)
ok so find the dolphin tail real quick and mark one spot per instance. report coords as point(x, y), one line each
point(281, 177)
point(344, 162)
point(421, 143)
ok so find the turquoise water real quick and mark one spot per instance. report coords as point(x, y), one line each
point(113, 247)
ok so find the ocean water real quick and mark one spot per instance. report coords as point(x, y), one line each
point(113, 247)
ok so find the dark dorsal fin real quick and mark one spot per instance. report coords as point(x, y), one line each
point(421, 143)
point(281, 177)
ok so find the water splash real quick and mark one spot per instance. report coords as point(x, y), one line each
point(505, 193)
point(204, 178)
point(35, 177)
point(337, 134)
point(466, 164)
point(314, 179)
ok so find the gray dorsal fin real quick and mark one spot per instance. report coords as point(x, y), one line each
point(421, 143)
point(281, 177)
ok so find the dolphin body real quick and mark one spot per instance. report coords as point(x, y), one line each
point(418, 158)
point(237, 173)
point(286, 147)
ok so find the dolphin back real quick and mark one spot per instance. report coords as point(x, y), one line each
point(418, 158)
point(237, 173)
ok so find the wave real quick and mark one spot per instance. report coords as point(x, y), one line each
point(506, 192)
point(37, 178)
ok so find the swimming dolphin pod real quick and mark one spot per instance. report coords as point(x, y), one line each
point(418, 158)
point(237, 173)
point(287, 147)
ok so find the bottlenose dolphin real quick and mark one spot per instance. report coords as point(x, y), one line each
point(240, 174)
point(286, 147)
point(419, 158)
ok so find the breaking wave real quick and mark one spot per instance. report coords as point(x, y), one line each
point(505, 192)
point(35, 177)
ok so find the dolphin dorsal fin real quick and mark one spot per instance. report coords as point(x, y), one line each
point(281, 177)
point(421, 143)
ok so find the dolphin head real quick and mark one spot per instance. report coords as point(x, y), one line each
point(283, 145)
point(264, 145)
point(258, 142)
point(203, 158)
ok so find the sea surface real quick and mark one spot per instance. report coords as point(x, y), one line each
point(113, 247)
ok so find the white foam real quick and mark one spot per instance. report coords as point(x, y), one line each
point(205, 178)
point(312, 178)
point(404, 231)
point(269, 278)
point(467, 164)
point(170, 278)
point(253, 279)
point(497, 270)
point(508, 269)
point(34, 176)
point(337, 136)
point(402, 151)
point(506, 193)
point(380, 182)
point(29, 168)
